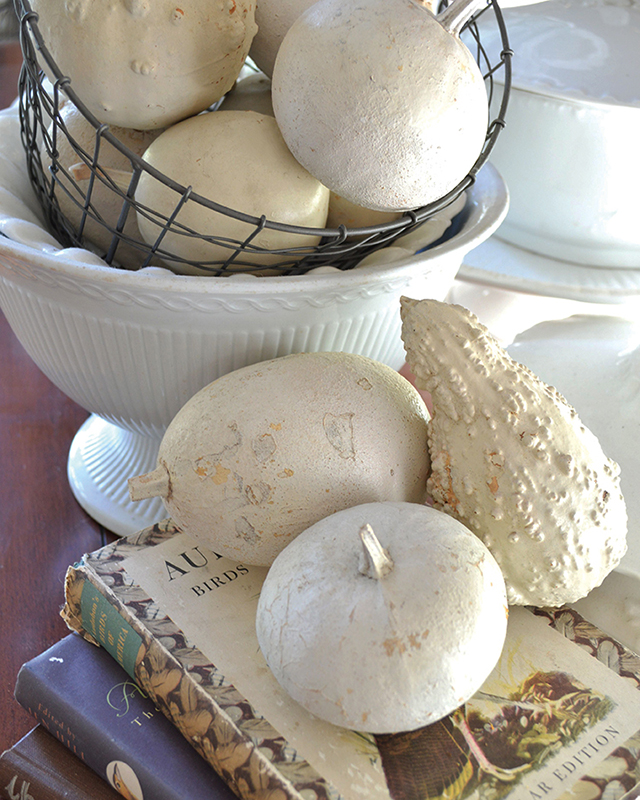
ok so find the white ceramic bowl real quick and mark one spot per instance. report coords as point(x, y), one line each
point(569, 152)
point(133, 347)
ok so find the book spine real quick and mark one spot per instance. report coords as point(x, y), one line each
point(38, 768)
point(20, 779)
point(93, 610)
point(137, 758)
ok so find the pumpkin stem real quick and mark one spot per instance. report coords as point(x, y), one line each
point(82, 172)
point(375, 561)
point(151, 484)
point(458, 13)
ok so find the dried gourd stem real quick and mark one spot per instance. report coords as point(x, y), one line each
point(151, 484)
point(120, 177)
point(375, 561)
point(458, 13)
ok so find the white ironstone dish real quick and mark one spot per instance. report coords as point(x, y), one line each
point(595, 363)
point(511, 289)
point(133, 347)
point(569, 152)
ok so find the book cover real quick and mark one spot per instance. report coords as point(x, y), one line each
point(38, 767)
point(560, 714)
point(84, 699)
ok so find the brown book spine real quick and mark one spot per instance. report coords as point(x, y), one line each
point(40, 768)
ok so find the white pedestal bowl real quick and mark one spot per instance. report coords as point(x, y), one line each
point(133, 347)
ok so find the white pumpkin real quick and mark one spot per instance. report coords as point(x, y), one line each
point(239, 160)
point(251, 93)
point(106, 203)
point(380, 101)
point(141, 64)
point(263, 452)
point(384, 617)
point(274, 18)
point(343, 212)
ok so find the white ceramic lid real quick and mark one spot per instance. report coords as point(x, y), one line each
point(579, 49)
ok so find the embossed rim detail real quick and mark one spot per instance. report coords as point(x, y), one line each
point(488, 199)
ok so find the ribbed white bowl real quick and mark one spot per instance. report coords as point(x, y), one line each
point(133, 347)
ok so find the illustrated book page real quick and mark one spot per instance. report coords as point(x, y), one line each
point(549, 715)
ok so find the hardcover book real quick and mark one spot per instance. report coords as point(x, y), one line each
point(38, 767)
point(84, 699)
point(559, 717)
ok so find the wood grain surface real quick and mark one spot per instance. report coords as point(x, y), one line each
point(42, 527)
point(10, 61)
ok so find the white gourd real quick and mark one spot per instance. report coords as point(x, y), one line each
point(512, 460)
point(261, 453)
point(106, 203)
point(143, 64)
point(240, 160)
point(381, 101)
point(383, 617)
point(273, 18)
point(251, 93)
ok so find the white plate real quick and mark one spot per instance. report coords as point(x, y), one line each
point(500, 264)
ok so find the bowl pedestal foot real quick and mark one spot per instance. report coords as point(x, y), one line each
point(102, 458)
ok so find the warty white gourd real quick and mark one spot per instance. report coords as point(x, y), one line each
point(512, 460)
point(263, 452)
point(142, 64)
point(383, 600)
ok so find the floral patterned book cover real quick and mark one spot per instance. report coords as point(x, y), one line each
point(559, 717)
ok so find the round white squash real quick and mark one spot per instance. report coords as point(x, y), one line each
point(379, 101)
point(343, 212)
point(274, 18)
point(383, 637)
point(239, 160)
point(263, 452)
point(142, 64)
point(252, 93)
point(105, 201)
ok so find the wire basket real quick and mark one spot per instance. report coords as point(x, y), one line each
point(43, 129)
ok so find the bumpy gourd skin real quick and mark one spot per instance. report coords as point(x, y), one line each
point(512, 460)
point(145, 65)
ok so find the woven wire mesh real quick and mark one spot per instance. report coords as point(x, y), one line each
point(43, 129)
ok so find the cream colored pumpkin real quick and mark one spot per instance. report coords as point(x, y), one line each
point(380, 101)
point(383, 617)
point(239, 160)
point(142, 64)
point(106, 203)
point(274, 18)
point(263, 452)
point(251, 93)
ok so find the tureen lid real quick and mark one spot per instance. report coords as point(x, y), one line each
point(581, 49)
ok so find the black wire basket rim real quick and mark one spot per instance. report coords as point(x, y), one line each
point(408, 219)
point(245, 284)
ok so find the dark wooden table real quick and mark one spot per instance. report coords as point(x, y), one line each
point(42, 527)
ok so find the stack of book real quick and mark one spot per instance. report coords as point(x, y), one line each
point(98, 734)
point(178, 702)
